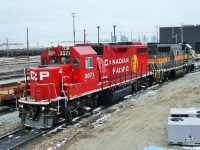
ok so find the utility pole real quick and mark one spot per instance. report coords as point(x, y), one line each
point(138, 38)
point(7, 47)
point(111, 38)
point(27, 42)
point(157, 33)
point(73, 15)
point(84, 36)
point(120, 36)
point(98, 32)
point(131, 36)
point(144, 38)
point(181, 33)
point(114, 26)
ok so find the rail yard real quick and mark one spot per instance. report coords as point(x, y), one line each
point(103, 75)
point(11, 73)
point(148, 82)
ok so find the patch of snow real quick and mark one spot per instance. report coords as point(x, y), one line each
point(98, 109)
point(152, 87)
point(76, 118)
point(127, 96)
point(17, 137)
point(10, 136)
point(58, 145)
point(100, 120)
point(55, 130)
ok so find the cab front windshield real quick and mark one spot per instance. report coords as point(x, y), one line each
point(65, 60)
point(61, 60)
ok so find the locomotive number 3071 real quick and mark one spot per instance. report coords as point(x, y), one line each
point(89, 75)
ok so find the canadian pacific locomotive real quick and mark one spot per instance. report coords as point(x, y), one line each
point(73, 80)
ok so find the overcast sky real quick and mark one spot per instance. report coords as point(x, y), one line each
point(51, 20)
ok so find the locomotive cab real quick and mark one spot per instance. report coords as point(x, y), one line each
point(84, 72)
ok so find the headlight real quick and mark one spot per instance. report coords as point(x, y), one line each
point(43, 108)
point(21, 106)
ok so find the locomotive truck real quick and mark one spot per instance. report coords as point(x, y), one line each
point(73, 80)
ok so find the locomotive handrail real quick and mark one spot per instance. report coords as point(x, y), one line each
point(63, 85)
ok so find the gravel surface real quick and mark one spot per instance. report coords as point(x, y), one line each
point(134, 123)
point(13, 63)
point(137, 126)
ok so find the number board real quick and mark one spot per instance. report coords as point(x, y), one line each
point(64, 53)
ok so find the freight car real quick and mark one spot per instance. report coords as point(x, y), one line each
point(9, 91)
point(21, 52)
point(73, 80)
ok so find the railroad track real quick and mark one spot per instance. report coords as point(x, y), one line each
point(11, 75)
point(5, 109)
point(23, 135)
point(17, 63)
point(18, 137)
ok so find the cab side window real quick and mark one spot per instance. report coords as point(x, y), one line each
point(75, 62)
point(53, 60)
point(44, 61)
point(88, 63)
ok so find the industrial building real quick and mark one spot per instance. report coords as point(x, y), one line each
point(189, 34)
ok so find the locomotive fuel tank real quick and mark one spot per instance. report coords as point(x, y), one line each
point(180, 72)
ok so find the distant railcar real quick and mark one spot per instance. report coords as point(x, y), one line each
point(170, 60)
point(21, 52)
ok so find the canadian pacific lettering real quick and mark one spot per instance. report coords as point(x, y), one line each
point(116, 61)
point(119, 61)
point(120, 69)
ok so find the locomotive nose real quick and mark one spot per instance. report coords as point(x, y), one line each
point(44, 83)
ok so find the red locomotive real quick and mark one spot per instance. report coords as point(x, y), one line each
point(73, 80)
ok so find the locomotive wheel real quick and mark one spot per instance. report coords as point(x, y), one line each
point(93, 101)
point(68, 114)
point(172, 74)
point(109, 99)
point(157, 78)
point(134, 87)
point(150, 81)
